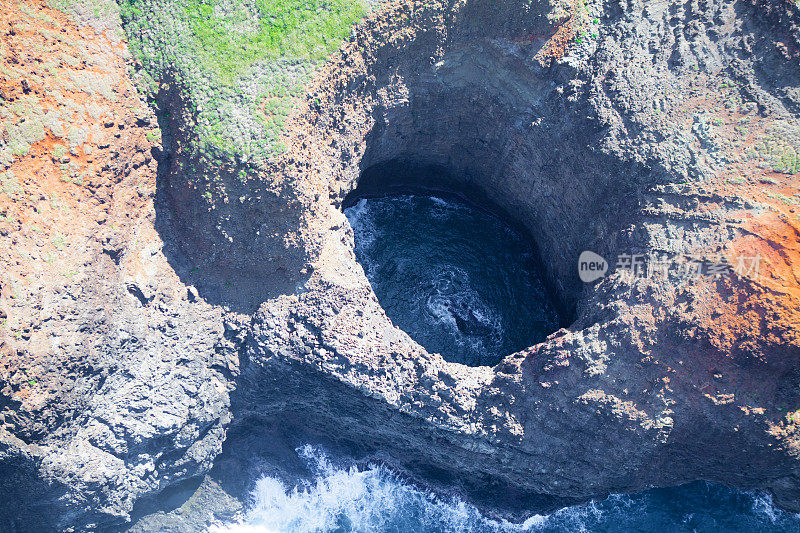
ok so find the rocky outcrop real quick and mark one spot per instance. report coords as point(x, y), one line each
point(628, 129)
point(603, 150)
point(113, 374)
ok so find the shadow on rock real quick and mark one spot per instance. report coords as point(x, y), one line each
point(229, 234)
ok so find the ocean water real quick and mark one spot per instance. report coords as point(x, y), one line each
point(456, 279)
point(447, 292)
point(347, 499)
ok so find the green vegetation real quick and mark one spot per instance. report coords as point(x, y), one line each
point(241, 64)
point(95, 6)
point(103, 15)
point(779, 150)
point(779, 157)
point(785, 199)
point(303, 29)
point(23, 125)
point(9, 184)
point(59, 152)
point(585, 23)
point(59, 241)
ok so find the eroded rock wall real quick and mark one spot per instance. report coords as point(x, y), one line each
point(641, 140)
point(626, 128)
point(113, 375)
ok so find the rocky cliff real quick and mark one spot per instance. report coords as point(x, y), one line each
point(179, 284)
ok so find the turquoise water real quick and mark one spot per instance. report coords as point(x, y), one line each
point(346, 499)
point(458, 280)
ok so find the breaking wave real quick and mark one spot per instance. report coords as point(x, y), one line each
point(347, 499)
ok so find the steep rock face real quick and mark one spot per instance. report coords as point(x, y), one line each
point(619, 128)
point(113, 375)
point(645, 140)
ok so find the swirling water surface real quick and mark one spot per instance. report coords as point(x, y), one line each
point(458, 280)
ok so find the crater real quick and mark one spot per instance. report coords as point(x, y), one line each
point(454, 276)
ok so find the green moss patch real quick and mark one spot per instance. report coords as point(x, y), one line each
point(230, 40)
point(240, 64)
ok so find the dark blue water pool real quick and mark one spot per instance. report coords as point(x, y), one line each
point(455, 278)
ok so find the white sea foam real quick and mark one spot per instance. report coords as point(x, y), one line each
point(362, 221)
point(452, 286)
point(441, 209)
point(763, 507)
point(439, 308)
point(349, 499)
